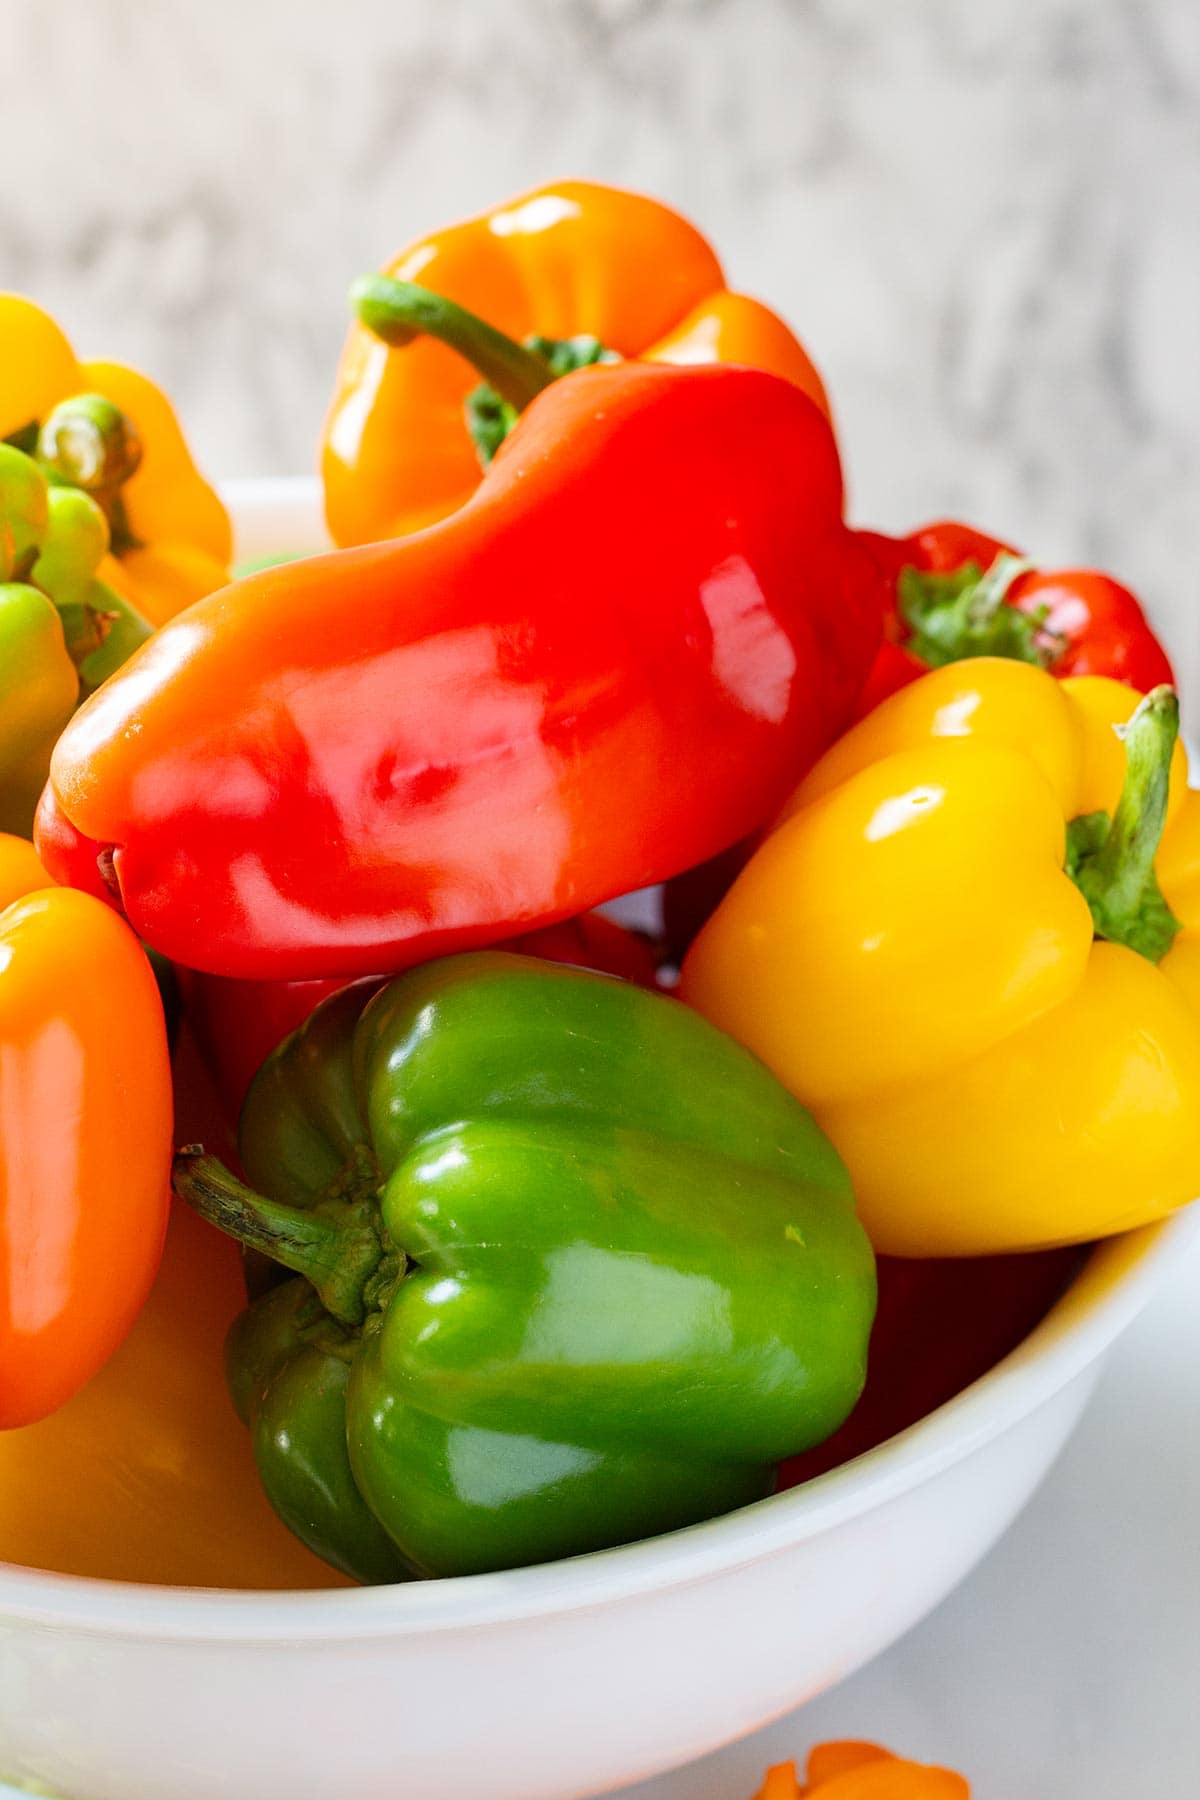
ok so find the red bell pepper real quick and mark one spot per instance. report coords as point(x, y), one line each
point(617, 658)
point(954, 592)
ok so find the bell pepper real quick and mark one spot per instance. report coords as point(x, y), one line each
point(573, 258)
point(576, 1270)
point(963, 950)
point(357, 762)
point(105, 428)
point(146, 1474)
point(85, 1099)
point(954, 592)
point(238, 1023)
point(62, 631)
point(857, 1771)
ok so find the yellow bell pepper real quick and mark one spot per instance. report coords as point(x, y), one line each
point(1003, 1062)
point(175, 541)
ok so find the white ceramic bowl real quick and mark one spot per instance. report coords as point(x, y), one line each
point(565, 1680)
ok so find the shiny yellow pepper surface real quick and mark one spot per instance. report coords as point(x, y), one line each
point(1002, 1062)
point(175, 542)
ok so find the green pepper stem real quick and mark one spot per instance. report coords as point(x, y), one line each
point(1112, 863)
point(399, 311)
point(88, 443)
point(338, 1251)
point(965, 612)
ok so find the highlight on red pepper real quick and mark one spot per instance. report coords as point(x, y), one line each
point(861, 1771)
point(358, 762)
point(954, 592)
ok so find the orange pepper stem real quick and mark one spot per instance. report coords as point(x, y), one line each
point(337, 1247)
point(396, 312)
point(1112, 861)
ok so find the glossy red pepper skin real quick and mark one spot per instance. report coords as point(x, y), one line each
point(237, 1024)
point(1101, 625)
point(617, 658)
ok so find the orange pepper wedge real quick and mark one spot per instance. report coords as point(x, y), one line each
point(852, 1770)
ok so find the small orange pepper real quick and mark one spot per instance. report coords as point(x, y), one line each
point(85, 1139)
point(575, 257)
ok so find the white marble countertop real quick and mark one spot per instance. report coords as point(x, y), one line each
point(1066, 1667)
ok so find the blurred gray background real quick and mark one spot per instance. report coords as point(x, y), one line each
point(980, 214)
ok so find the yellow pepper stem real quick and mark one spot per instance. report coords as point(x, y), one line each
point(89, 443)
point(1112, 861)
point(399, 311)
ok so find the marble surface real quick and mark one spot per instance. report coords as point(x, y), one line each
point(981, 214)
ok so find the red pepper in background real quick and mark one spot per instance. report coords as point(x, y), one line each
point(954, 592)
point(237, 1024)
point(939, 1326)
point(616, 659)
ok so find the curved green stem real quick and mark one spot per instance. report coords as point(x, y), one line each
point(1112, 861)
point(337, 1249)
point(399, 311)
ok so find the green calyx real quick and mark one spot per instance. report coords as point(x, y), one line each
point(397, 312)
point(965, 613)
point(1111, 861)
point(340, 1246)
point(490, 417)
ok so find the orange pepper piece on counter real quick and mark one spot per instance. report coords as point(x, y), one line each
point(860, 1771)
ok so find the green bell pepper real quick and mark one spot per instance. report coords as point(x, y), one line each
point(577, 1270)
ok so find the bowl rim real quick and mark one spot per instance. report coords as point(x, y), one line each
point(1113, 1285)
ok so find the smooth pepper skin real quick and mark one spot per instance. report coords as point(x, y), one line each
point(175, 540)
point(852, 1770)
point(1071, 621)
point(616, 1276)
point(85, 1143)
point(615, 661)
point(575, 257)
point(908, 953)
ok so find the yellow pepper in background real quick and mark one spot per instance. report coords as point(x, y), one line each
point(910, 954)
point(172, 539)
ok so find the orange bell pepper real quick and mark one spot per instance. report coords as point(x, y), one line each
point(148, 1473)
point(575, 257)
point(85, 1139)
point(856, 1771)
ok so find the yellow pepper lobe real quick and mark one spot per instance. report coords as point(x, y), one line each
point(1085, 1123)
point(896, 925)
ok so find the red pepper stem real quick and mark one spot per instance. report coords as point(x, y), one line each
point(336, 1247)
point(399, 311)
point(1112, 863)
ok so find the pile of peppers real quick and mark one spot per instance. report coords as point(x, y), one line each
point(541, 1253)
